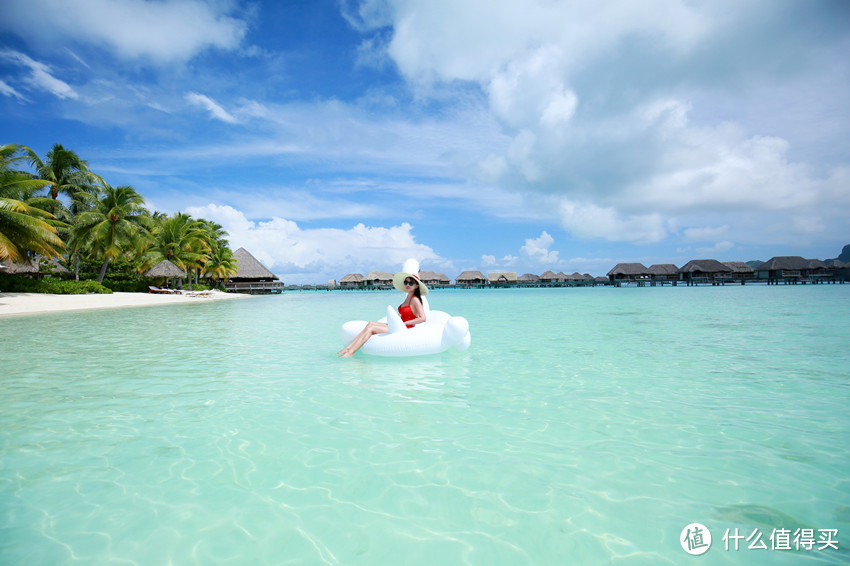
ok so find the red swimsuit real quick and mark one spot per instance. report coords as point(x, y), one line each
point(406, 313)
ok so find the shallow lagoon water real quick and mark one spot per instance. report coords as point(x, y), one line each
point(583, 426)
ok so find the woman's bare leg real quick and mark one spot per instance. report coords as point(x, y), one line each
point(368, 331)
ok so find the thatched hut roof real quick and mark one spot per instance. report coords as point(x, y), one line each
point(738, 267)
point(379, 277)
point(434, 278)
point(470, 276)
point(165, 269)
point(663, 269)
point(249, 267)
point(789, 262)
point(502, 276)
point(36, 266)
point(352, 278)
point(528, 278)
point(548, 276)
point(704, 266)
point(629, 269)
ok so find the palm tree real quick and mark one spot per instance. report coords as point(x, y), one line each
point(23, 227)
point(65, 170)
point(215, 236)
point(221, 264)
point(181, 240)
point(113, 226)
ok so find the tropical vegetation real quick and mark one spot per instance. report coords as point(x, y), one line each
point(58, 209)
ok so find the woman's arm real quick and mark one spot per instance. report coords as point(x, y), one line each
point(418, 310)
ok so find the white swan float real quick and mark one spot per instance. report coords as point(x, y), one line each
point(438, 333)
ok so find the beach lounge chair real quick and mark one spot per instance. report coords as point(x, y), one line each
point(152, 289)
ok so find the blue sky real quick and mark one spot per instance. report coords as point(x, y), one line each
point(336, 137)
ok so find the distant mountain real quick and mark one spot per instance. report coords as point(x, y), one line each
point(755, 264)
point(845, 256)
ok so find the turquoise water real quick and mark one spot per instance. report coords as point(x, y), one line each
point(583, 426)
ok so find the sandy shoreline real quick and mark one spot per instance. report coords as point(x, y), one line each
point(21, 304)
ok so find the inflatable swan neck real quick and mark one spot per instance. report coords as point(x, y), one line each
point(394, 321)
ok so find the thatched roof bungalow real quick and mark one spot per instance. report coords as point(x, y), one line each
point(549, 278)
point(502, 278)
point(793, 268)
point(528, 279)
point(698, 270)
point(379, 279)
point(252, 276)
point(740, 270)
point(433, 279)
point(629, 272)
point(471, 279)
point(352, 281)
point(663, 272)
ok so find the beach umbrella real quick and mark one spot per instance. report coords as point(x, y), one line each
point(165, 269)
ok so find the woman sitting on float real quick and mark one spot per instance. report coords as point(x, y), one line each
point(410, 310)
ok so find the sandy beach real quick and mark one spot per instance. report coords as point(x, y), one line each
point(22, 304)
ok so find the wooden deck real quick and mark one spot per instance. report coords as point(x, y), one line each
point(255, 287)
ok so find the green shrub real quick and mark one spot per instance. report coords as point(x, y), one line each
point(127, 284)
point(51, 285)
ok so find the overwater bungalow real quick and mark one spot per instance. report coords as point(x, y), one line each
point(378, 280)
point(741, 271)
point(433, 279)
point(795, 269)
point(548, 279)
point(352, 281)
point(528, 280)
point(629, 273)
point(704, 271)
point(502, 278)
point(252, 277)
point(663, 273)
point(471, 279)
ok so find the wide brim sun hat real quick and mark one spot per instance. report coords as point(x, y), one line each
point(409, 269)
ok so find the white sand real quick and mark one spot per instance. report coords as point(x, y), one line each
point(20, 304)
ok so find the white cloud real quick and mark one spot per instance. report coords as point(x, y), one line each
point(596, 100)
point(488, 260)
point(40, 77)
point(705, 233)
point(717, 248)
point(325, 253)
point(587, 220)
point(7, 90)
point(211, 106)
point(537, 249)
point(163, 31)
